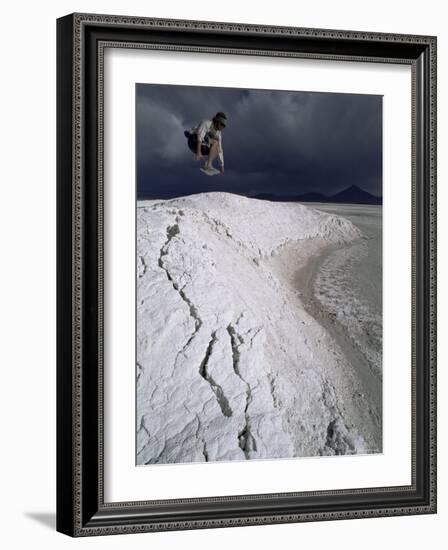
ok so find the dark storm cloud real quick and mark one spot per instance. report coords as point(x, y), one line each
point(277, 142)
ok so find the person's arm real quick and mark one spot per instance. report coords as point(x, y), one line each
point(221, 153)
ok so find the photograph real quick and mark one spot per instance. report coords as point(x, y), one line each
point(246, 273)
point(258, 281)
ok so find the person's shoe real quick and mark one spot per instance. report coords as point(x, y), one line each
point(209, 170)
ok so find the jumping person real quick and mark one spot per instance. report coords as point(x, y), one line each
point(205, 139)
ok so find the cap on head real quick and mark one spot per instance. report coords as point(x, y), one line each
point(221, 118)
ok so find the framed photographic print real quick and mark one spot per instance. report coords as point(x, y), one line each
point(246, 274)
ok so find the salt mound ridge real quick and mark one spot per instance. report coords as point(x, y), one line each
point(227, 367)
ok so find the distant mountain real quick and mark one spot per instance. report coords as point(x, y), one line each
point(351, 195)
point(354, 194)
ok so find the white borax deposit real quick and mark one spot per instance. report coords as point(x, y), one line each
point(230, 364)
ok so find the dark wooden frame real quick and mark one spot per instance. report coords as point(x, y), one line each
point(81, 39)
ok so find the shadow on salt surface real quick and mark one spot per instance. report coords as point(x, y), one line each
point(283, 459)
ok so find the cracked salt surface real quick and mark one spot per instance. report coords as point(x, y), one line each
point(230, 366)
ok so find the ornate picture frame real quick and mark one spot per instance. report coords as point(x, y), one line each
point(81, 506)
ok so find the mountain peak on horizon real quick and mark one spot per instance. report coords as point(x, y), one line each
point(355, 192)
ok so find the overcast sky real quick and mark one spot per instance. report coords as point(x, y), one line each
point(279, 142)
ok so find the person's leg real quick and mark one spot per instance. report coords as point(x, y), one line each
point(214, 147)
